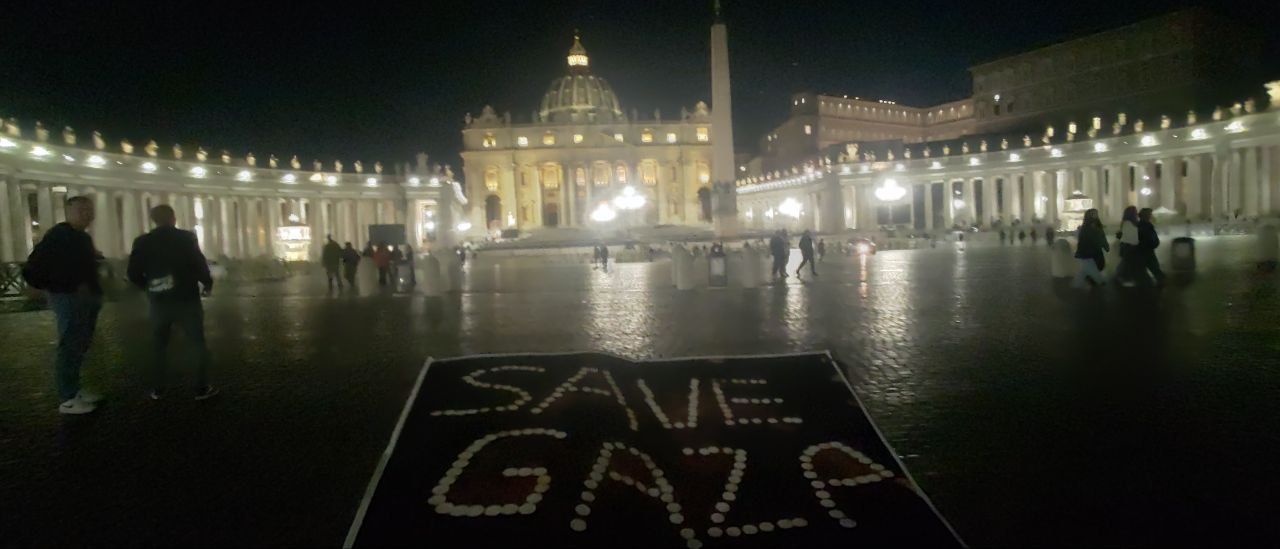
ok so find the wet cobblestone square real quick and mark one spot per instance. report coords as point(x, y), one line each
point(1028, 413)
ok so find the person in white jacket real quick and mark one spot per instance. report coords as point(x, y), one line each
point(1130, 264)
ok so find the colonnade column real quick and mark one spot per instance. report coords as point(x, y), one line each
point(44, 207)
point(1250, 201)
point(105, 236)
point(1170, 178)
point(8, 234)
point(928, 205)
point(132, 223)
point(1270, 171)
point(1012, 198)
point(989, 203)
point(273, 223)
point(970, 201)
point(1200, 187)
point(212, 224)
point(1120, 183)
point(948, 204)
point(249, 226)
point(1030, 193)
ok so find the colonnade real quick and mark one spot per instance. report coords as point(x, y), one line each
point(1220, 170)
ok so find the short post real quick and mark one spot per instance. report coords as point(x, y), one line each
point(1183, 254)
point(717, 267)
point(682, 265)
point(432, 285)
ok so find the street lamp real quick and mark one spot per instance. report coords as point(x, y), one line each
point(629, 200)
point(603, 214)
point(890, 191)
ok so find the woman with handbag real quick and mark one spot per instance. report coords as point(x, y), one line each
point(1091, 249)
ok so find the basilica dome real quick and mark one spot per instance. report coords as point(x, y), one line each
point(579, 96)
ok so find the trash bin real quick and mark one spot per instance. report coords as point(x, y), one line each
point(1183, 255)
point(717, 268)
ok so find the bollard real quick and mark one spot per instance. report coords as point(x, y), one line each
point(1062, 264)
point(682, 262)
point(1183, 255)
point(750, 260)
point(432, 284)
point(717, 268)
point(1268, 248)
point(701, 269)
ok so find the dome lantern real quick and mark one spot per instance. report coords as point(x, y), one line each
point(578, 61)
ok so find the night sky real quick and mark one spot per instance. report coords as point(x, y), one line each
point(381, 82)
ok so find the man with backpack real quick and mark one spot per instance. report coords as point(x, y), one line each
point(167, 264)
point(65, 265)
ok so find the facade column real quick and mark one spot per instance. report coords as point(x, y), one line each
point(1205, 179)
point(212, 226)
point(1052, 185)
point(948, 204)
point(1249, 182)
point(362, 222)
point(831, 216)
point(1120, 186)
point(1030, 197)
point(314, 220)
point(970, 202)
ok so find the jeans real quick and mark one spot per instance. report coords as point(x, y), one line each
point(807, 260)
point(188, 315)
point(779, 266)
point(332, 274)
point(76, 317)
point(1088, 270)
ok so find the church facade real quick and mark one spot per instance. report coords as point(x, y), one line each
point(580, 154)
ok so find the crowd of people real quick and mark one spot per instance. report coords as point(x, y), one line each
point(342, 262)
point(1137, 240)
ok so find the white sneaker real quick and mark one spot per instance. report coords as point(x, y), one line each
point(76, 406)
point(89, 397)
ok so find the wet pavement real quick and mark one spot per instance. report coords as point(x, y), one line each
point(1029, 413)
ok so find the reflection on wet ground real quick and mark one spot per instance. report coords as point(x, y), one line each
point(1031, 414)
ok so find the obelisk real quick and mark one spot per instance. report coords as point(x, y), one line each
point(724, 199)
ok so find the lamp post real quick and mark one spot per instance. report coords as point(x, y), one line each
point(629, 201)
point(890, 192)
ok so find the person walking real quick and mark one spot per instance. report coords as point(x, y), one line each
point(1022, 236)
point(1002, 237)
point(1048, 235)
point(806, 254)
point(604, 257)
point(397, 257)
point(167, 264)
point(822, 249)
point(410, 262)
point(595, 257)
point(1034, 236)
point(779, 249)
point(1091, 250)
point(64, 264)
point(1148, 241)
point(382, 260)
point(331, 259)
point(1128, 236)
point(350, 261)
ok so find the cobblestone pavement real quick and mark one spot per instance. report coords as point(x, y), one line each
point(1030, 414)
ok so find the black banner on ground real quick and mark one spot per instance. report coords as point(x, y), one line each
point(595, 450)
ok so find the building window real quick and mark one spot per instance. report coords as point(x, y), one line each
point(703, 135)
point(600, 173)
point(577, 138)
point(671, 137)
point(808, 130)
point(704, 173)
point(580, 177)
point(622, 173)
point(618, 137)
point(491, 178)
point(550, 176)
point(649, 172)
point(522, 141)
point(489, 141)
point(548, 138)
point(646, 136)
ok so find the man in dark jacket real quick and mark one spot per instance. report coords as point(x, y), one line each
point(350, 261)
point(806, 254)
point(1148, 241)
point(331, 258)
point(168, 265)
point(779, 248)
point(65, 264)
